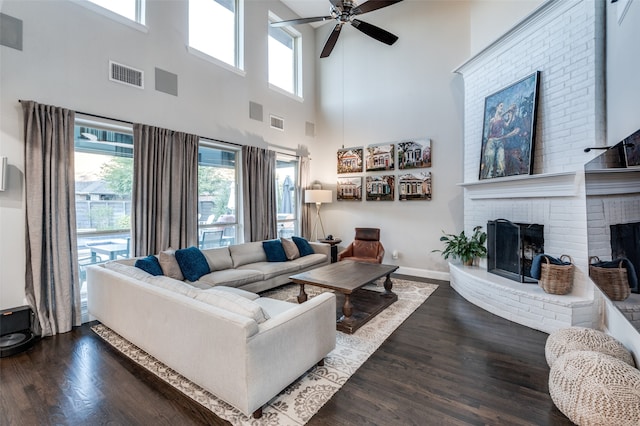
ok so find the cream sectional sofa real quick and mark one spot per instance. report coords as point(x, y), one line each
point(239, 346)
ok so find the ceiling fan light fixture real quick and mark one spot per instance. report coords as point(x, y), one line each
point(344, 11)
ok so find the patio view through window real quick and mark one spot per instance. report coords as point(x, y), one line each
point(287, 211)
point(217, 196)
point(103, 179)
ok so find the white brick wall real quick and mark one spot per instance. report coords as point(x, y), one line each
point(564, 40)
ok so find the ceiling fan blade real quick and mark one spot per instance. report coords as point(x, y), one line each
point(337, 3)
point(372, 5)
point(375, 32)
point(300, 21)
point(331, 41)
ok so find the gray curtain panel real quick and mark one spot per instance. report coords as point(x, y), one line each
point(165, 190)
point(52, 280)
point(259, 193)
point(305, 183)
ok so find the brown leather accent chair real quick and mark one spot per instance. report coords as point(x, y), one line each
point(366, 247)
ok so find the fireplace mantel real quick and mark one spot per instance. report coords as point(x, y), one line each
point(612, 181)
point(527, 186)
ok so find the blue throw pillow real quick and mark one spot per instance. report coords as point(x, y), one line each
point(274, 251)
point(304, 247)
point(192, 262)
point(149, 264)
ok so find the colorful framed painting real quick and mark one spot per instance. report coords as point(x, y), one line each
point(414, 154)
point(350, 160)
point(381, 188)
point(508, 133)
point(349, 189)
point(415, 186)
point(632, 150)
point(380, 157)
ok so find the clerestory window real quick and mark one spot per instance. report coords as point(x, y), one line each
point(215, 29)
point(284, 58)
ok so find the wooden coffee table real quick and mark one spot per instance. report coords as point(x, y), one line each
point(347, 278)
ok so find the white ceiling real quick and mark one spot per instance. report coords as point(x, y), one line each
point(309, 8)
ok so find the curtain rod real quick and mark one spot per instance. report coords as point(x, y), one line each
point(132, 123)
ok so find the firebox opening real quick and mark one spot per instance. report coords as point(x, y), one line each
point(625, 243)
point(511, 248)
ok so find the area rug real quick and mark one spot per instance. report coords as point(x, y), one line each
point(296, 404)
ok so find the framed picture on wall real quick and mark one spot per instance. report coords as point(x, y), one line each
point(380, 157)
point(414, 154)
point(632, 150)
point(349, 189)
point(509, 127)
point(350, 160)
point(414, 186)
point(381, 188)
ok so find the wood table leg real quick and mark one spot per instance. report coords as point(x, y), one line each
point(347, 308)
point(388, 284)
point(302, 297)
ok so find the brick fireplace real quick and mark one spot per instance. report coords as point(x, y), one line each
point(563, 40)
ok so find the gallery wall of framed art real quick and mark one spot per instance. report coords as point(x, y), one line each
point(408, 157)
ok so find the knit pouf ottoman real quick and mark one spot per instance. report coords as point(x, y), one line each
point(593, 388)
point(584, 339)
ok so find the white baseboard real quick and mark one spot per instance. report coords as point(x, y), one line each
point(423, 273)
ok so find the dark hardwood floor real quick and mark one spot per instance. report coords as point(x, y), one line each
point(450, 363)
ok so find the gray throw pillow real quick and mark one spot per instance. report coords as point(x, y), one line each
point(169, 264)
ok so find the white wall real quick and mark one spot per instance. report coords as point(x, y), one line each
point(373, 93)
point(64, 62)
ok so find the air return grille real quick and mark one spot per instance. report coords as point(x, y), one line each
point(277, 122)
point(126, 75)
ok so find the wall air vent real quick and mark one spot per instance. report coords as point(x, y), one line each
point(277, 122)
point(126, 75)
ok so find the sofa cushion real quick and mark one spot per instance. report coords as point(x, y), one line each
point(173, 285)
point(232, 277)
point(290, 248)
point(237, 291)
point(307, 261)
point(274, 251)
point(192, 263)
point(128, 270)
point(233, 303)
point(303, 246)
point(149, 264)
point(169, 264)
point(243, 254)
point(219, 258)
point(274, 307)
point(272, 269)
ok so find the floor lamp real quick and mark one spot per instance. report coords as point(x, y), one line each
point(317, 196)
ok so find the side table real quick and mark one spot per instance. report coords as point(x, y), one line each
point(334, 247)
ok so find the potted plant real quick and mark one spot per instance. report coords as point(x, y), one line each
point(464, 247)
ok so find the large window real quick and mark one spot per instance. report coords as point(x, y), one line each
point(214, 29)
point(287, 212)
point(217, 196)
point(130, 9)
point(284, 52)
point(104, 182)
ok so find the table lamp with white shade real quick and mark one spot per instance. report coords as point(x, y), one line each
point(318, 196)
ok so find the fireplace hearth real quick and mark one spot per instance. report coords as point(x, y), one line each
point(511, 248)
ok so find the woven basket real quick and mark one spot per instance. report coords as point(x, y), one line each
point(556, 279)
point(612, 281)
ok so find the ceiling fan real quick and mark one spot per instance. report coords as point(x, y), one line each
point(345, 11)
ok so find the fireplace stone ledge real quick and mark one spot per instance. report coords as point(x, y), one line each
point(525, 304)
